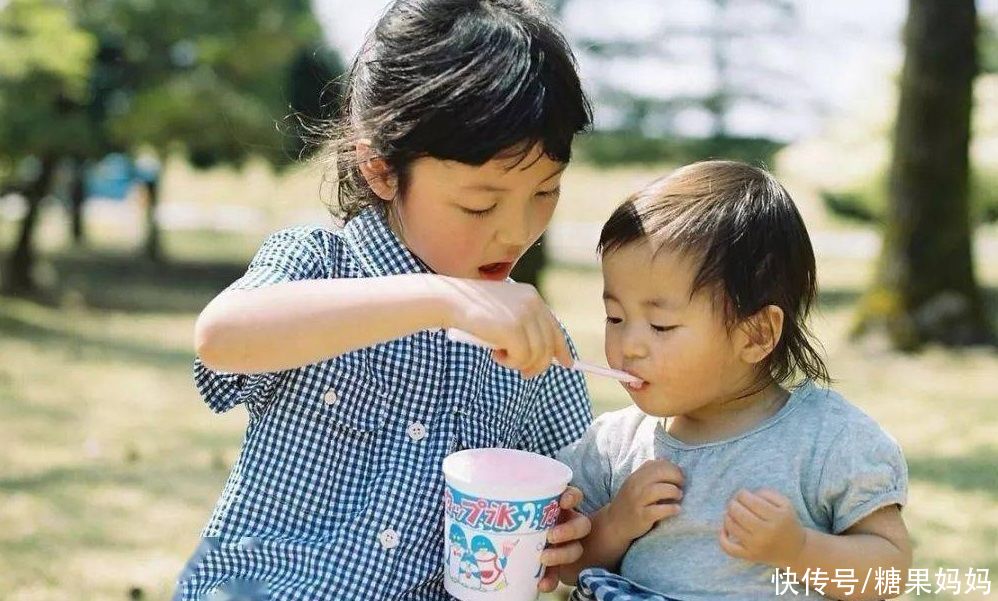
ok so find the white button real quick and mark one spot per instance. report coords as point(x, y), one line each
point(389, 538)
point(416, 431)
point(330, 397)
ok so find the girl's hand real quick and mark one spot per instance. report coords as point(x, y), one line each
point(512, 317)
point(650, 494)
point(762, 527)
point(564, 539)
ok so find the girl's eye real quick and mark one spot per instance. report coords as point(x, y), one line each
point(549, 193)
point(478, 213)
point(613, 320)
point(663, 328)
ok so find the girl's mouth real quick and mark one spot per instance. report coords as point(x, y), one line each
point(495, 271)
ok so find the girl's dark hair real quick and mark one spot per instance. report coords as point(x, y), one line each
point(463, 80)
point(751, 244)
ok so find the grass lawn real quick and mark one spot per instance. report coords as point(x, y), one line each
point(109, 462)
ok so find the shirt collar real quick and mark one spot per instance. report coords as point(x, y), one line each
point(380, 251)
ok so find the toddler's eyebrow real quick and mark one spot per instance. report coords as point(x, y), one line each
point(656, 303)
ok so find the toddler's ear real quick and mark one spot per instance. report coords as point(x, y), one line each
point(376, 172)
point(761, 333)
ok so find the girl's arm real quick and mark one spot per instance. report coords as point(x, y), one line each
point(291, 324)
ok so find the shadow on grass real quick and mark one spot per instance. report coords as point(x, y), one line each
point(120, 282)
point(81, 345)
point(975, 472)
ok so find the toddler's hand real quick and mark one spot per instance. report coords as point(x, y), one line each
point(650, 494)
point(512, 317)
point(762, 527)
point(564, 539)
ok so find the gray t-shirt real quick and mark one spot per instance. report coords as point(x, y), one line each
point(834, 463)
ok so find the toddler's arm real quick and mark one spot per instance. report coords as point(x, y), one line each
point(763, 526)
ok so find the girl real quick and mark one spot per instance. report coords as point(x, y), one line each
point(458, 124)
point(708, 279)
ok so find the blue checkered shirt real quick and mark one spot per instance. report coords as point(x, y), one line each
point(336, 493)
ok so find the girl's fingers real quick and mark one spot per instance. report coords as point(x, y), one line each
point(535, 351)
point(561, 351)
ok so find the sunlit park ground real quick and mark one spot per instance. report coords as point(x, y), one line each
point(109, 463)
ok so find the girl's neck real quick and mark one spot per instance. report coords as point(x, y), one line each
point(728, 418)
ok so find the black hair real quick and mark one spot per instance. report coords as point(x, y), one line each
point(462, 80)
point(751, 243)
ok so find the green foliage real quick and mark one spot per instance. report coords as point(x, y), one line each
point(617, 148)
point(41, 88)
point(865, 201)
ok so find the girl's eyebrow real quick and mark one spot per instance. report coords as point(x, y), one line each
point(492, 188)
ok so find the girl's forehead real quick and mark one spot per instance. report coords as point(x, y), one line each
point(496, 175)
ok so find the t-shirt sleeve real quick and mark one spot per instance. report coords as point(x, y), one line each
point(560, 411)
point(590, 460)
point(289, 255)
point(864, 471)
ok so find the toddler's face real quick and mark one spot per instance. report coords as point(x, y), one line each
point(678, 345)
point(476, 222)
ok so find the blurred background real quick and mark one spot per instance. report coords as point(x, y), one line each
point(148, 146)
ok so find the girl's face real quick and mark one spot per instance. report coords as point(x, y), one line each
point(678, 345)
point(476, 222)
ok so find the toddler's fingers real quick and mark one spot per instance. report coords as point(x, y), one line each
point(663, 470)
point(571, 498)
point(756, 504)
point(735, 528)
point(731, 547)
point(660, 511)
point(540, 354)
point(575, 527)
point(768, 494)
point(562, 554)
point(743, 516)
point(661, 491)
point(549, 581)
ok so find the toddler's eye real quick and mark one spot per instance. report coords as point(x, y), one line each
point(613, 320)
point(549, 193)
point(663, 328)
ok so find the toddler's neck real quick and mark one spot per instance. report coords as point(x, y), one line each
point(726, 419)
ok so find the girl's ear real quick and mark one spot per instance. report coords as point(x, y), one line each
point(376, 172)
point(761, 333)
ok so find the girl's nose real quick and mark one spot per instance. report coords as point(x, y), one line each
point(515, 230)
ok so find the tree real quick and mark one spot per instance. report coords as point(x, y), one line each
point(925, 289)
point(214, 85)
point(40, 121)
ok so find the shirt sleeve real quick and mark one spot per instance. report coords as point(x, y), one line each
point(560, 410)
point(289, 255)
point(863, 472)
point(591, 467)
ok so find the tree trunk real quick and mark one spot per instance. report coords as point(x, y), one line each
point(925, 289)
point(153, 244)
point(77, 195)
point(18, 274)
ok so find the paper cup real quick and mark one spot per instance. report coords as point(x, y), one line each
point(498, 507)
